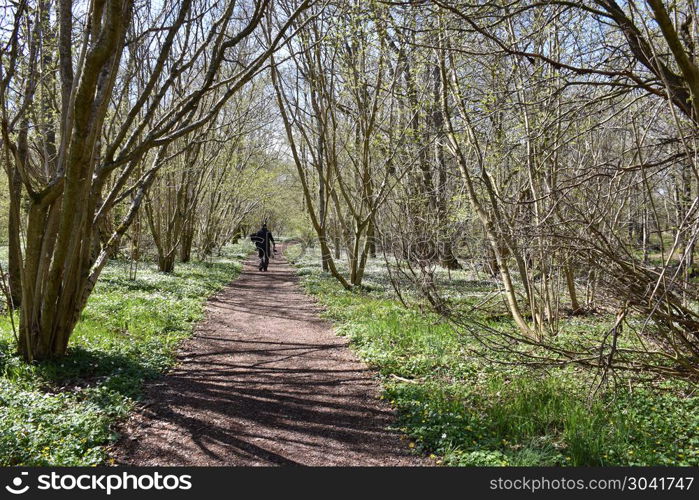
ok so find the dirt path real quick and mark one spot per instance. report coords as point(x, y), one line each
point(264, 381)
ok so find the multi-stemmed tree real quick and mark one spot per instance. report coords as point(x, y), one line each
point(94, 92)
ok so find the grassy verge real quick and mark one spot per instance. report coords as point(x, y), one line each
point(62, 412)
point(465, 410)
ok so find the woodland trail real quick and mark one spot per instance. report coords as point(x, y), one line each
point(264, 381)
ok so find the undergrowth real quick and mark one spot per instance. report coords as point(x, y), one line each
point(462, 408)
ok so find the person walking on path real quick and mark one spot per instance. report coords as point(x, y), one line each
point(264, 242)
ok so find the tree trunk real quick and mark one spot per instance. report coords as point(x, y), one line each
point(570, 281)
point(187, 241)
point(60, 268)
point(15, 244)
point(166, 263)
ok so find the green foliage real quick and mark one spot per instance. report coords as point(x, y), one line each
point(62, 412)
point(467, 410)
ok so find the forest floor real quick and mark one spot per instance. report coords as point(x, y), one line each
point(264, 381)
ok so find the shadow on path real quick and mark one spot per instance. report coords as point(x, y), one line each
point(264, 381)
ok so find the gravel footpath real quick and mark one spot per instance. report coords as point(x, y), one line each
point(264, 381)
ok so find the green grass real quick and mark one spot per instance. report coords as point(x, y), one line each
point(464, 409)
point(63, 412)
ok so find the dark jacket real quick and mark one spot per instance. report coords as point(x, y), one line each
point(263, 239)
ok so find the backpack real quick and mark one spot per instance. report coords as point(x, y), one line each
point(257, 239)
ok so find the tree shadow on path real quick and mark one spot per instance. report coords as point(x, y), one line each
point(264, 381)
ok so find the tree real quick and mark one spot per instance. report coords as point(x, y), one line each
point(333, 102)
point(139, 77)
